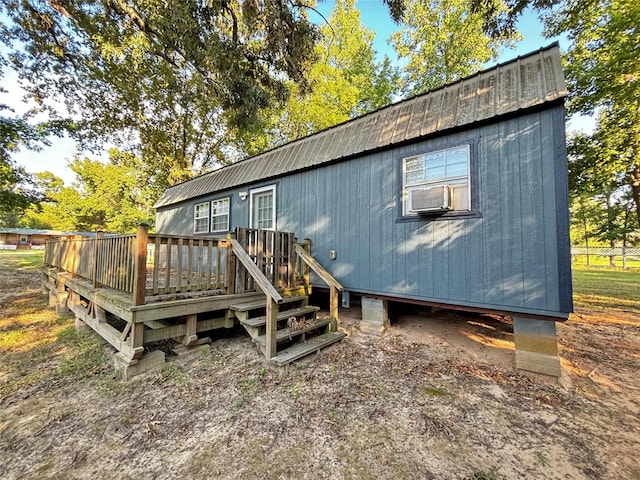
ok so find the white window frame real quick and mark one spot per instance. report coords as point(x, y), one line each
point(252, 194)
point(426, 183)
point(228, 214)
point(197, 217)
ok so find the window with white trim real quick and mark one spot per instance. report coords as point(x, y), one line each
point(201, 218)
point(220, 215)
point(263, 208)
point(438, 172)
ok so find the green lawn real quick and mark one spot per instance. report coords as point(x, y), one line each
point(606, 289)
point(21, 258)
point(580, 261)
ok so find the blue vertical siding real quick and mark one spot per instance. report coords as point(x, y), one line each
point(505, 257)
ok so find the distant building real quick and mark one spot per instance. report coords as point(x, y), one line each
point(31, 239)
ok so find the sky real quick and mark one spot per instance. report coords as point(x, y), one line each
point(374, 14)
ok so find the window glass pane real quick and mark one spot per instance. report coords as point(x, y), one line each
point(202, 210)
point(436, 173)
point(414, 170)
point(220, 223)
point(457, 155)
point(434, 160)
point(220, 215)
point(456, 170)
point(443, 167)
point(220, 207)
point(201, 218)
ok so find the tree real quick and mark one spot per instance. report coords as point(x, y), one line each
point(443, 41)
point(601, 195)
point(345, 80)
point(177, 79)
point(112, 196)
point(16, 192)
point(180, 83)
point(17, 187)
point(603, 73)
point(500, 16)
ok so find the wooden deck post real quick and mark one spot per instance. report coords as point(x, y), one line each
point(333, 308)
point(140, 268)
point(231, 266)
point(307, 271)
point(75, 256)
point(99, 235)
point(191, 335)
point(272, 326)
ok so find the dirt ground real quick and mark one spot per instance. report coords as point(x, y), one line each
point(436, 397)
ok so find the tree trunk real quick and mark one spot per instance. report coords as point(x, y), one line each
point(612, 258)
point(634, 176)
point(610, 227)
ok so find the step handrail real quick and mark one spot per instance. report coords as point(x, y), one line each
point(316, 267)
point(261, 280)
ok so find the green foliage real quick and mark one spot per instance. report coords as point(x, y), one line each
point(602, 65)
point(490, 474)
point(16, 186)
point(601, 181)
point(345, 80)
point(179, 80)
point(112, 196)
point(603, 73)
point(443, 41)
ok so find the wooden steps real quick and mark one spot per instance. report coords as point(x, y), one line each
point(285, 315)
point(302, 349)
point(289, 334)
point(256, 304)
point(298, 331)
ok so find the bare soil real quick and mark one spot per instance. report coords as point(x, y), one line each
point(436, 397)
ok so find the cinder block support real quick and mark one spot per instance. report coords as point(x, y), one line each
point(375, 316)
point(81, 326)
point(152, 361)
point(536, 346)
point(61, 299)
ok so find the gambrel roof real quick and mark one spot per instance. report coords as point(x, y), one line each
point(523, 83)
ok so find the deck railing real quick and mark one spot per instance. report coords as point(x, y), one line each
point(274, 254)
point(107, 261)
point(154, 265)
point(178, 264)
point(143, 264)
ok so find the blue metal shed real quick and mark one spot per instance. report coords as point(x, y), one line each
point(457, 197)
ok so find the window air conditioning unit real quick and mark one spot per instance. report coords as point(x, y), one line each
point(434, 199)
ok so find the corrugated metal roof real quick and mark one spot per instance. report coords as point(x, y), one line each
point(525, 82)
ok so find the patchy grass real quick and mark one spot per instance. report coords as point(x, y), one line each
point(37, 345)
point(606, 289)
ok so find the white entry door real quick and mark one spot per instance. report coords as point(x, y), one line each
point(262, 205)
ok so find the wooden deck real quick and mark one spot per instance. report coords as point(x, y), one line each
point(135, 290)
